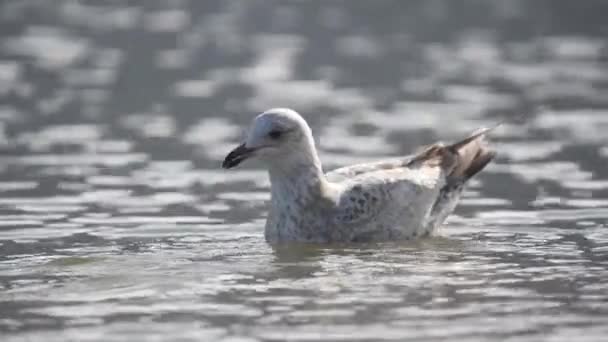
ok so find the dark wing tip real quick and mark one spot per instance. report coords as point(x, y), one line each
point(472, 154)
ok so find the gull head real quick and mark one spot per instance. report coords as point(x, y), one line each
point(279, 138)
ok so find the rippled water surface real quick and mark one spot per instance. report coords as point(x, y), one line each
point(117, 224)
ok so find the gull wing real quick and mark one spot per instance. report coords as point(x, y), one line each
point(352, 171)
point(377, 202)
point(417, 192)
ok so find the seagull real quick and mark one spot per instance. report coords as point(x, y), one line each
point(394, 199)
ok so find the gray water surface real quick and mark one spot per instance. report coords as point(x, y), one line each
point(117, 223)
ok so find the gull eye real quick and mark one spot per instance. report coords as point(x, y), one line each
point(275, 134)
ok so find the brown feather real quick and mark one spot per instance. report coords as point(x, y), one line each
point(472, 154)
point(461, 160)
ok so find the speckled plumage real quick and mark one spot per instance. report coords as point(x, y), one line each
point(395, 199)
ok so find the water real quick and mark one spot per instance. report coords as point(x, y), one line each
point(117, 224)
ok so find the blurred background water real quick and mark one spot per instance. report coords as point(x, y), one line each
point(117, 224)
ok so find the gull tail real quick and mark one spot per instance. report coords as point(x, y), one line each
point(472, 155)
point(468, 157)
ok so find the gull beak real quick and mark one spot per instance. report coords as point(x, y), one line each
point(237, 156)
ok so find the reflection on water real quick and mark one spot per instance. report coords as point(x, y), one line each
point(116, 222)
